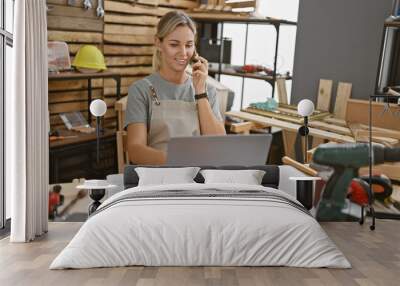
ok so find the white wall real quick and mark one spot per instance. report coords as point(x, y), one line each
point(261, 48)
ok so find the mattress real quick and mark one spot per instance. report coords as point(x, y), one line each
point(201, 225)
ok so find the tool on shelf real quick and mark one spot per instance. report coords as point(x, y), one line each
point(100, 9)
point(87, 4)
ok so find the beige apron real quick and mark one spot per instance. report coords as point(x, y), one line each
point(170, 118)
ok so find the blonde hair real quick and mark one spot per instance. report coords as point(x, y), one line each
point(167, 24)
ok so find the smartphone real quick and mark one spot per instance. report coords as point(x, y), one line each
point(194, 58)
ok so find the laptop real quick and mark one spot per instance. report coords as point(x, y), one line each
point(244, 150)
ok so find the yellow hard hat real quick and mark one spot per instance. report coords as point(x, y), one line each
point(89, 57)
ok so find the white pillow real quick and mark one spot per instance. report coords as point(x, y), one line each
point(164, 176)
point(248, 177)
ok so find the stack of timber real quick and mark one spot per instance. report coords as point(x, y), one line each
point(125, 36)
point(224, 6)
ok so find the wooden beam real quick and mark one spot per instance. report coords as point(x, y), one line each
point(337, 121)
point(330, 127)
point(178, 3)
point(129, 30)
point(282, 93)
point(324, 94)
point(299, 166)
point(125, 81)
point(127, 39)
point(358, 112)
point(74, 48)
point(136, 20)
point(74, 24)
point(132, 71)
point(241, 4)
point(126, 8)
point(111, 91)
point(342, 96)
point(57, 85)
point(242, 127)
point(128, 50)
point(289, 126)
point(75, 37)
point(70, 11)
point(62, 97)
point(128, 61)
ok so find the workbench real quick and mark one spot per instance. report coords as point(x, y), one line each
point(290, 126)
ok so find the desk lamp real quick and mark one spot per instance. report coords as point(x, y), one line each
point(98, 108)
point(305, 108)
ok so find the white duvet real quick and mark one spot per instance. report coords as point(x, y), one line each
point(200, 231)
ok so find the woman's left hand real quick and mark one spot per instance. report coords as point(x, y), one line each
point(200, 73)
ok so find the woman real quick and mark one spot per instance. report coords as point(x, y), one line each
point(170, 103)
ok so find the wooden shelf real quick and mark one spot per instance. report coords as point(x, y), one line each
point(78, 75)
point(228, 70)
point(237, 18)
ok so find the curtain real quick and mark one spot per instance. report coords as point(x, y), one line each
point(27, 124)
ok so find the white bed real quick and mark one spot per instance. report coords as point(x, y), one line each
point(185, 230)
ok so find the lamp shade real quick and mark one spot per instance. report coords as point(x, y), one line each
point(305, 107)
point(98, 107)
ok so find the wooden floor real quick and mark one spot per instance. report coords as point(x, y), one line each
point(375, 257)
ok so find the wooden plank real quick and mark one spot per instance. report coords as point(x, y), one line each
point(74, 48)
point(55, 85)
point(242, 4)
point(132, 71)
point(137, 20)
point(69, 11)
point(337, 121)
point(323, 103)
point(129, 30)
point(289, 143)
point(299, 166)
point(242, 127)
point(362, 135)
point(282, 93)
point(330, 127)
point(358, 112)
point(289, 126)
point(75, 37)
point(389, 142)
point(144, 2)
point(76, 3)
point(129, 60)
point(379, 132)
point(125, 81)
point(74, 24)
point(127, 39)
point(342, 96)
point(128, 50)
point(67, 107)
point(111, 91)
point(126, 8)
point(178, 3)
point(324, 94)
point(286, 113)
point(62, 97)
point(288, 137)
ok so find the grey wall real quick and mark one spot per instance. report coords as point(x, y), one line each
point(338, 40)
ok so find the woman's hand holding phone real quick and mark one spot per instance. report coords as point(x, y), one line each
point(200, 73)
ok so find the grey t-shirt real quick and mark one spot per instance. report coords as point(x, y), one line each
point(138, 105)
